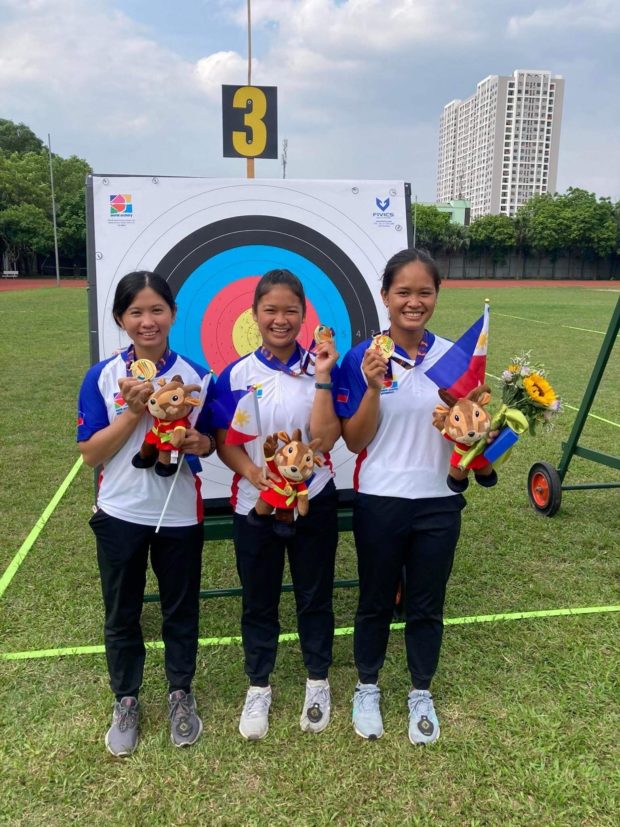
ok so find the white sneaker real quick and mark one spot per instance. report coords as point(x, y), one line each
point(254, 721)
point(317, 706)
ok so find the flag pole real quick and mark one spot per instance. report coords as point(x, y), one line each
point(165, 508)
point(249, 161)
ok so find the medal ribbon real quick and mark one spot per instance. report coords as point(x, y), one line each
point(427, 340)
point(277, 364)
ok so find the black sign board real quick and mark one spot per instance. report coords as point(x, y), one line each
point(250, 121)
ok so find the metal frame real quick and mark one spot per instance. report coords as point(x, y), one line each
point(218, 525)
point(545, 484)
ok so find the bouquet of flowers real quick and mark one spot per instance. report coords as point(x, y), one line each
point(528, 400)
point(526, 388)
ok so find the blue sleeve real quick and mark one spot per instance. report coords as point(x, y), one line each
point(92, 410)
point(204, 423)
point(225, 400)
point(351, 383)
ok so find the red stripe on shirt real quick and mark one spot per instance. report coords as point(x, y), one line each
point(234, 491)
point(200, 513)
point(358, 466)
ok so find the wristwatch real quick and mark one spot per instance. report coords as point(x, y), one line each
point(324, 386)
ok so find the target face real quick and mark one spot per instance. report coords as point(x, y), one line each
point(214, 271)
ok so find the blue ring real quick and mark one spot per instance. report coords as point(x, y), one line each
point(223, 269)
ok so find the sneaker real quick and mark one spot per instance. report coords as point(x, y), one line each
point(367, 721)
point(122, 737)
point(423, 723)
point(254, 721)
point(185, 725)
point(317, 706)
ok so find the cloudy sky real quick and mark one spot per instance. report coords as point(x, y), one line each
point(134, 86)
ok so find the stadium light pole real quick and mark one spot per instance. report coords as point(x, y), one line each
point(49, 147)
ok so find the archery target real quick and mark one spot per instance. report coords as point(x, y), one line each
point(214, 270)
point(213, 239)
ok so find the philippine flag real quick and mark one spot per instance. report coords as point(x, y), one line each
point(462, 368)
point(245, 425)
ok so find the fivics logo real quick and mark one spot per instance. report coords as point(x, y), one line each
point(383, 209)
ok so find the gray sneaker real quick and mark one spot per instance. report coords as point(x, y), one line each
point(367, 720)
point(317, 706)
point(254, 721)
point(423, 723)
point(185, 725)
point(122, 737)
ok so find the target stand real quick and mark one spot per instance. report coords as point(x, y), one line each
point(545, 484)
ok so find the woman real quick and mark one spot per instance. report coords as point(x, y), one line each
point(290, 393)
point(404, 514)
point(112, 424)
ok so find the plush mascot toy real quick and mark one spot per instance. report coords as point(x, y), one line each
point(293, 464)
point(465, 422)
point(170, 406)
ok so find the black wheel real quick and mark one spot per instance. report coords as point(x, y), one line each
point(544, 488)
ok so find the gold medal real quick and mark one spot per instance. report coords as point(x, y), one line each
point(383, 344)
point(322, 334)
point(143, 369)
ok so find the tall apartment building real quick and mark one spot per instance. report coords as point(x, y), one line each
point(500, 146)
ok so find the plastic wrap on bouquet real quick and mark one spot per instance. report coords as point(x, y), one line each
point(501, 444)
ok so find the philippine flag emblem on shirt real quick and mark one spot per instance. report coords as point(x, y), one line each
point(342, 395)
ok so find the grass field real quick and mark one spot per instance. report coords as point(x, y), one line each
point(529, 709)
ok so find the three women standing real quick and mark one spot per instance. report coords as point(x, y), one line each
point(405, 516)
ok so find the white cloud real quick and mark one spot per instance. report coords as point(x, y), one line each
point(602, 15)
point(361, 84)
point(222, 68)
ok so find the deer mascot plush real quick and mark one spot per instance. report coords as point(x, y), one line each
point(170, 407)
point(465, 421)
point(293, 465)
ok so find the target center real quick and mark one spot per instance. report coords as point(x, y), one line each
point(245, 333)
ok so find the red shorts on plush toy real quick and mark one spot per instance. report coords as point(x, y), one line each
point(161, 432)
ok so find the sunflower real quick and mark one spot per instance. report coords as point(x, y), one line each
point(539, 390)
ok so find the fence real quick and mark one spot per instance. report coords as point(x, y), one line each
point(467, 266)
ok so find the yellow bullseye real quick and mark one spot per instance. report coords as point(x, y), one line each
point(245, 333)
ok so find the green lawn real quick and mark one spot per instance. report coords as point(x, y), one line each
point(529, 709)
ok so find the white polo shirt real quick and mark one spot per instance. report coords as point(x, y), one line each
point(407, 457)
point(138, 494)
point(284, 403)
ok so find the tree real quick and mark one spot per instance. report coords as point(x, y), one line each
point(25, 183)
point(574, 223)
point(25, 229)
point(432, 227)
point(494, 234)
point(17, 137)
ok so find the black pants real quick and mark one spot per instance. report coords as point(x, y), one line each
point(176, 558)
point(421, 536)
point(260, 563)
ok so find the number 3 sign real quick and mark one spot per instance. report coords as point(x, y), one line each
point(250, 121)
